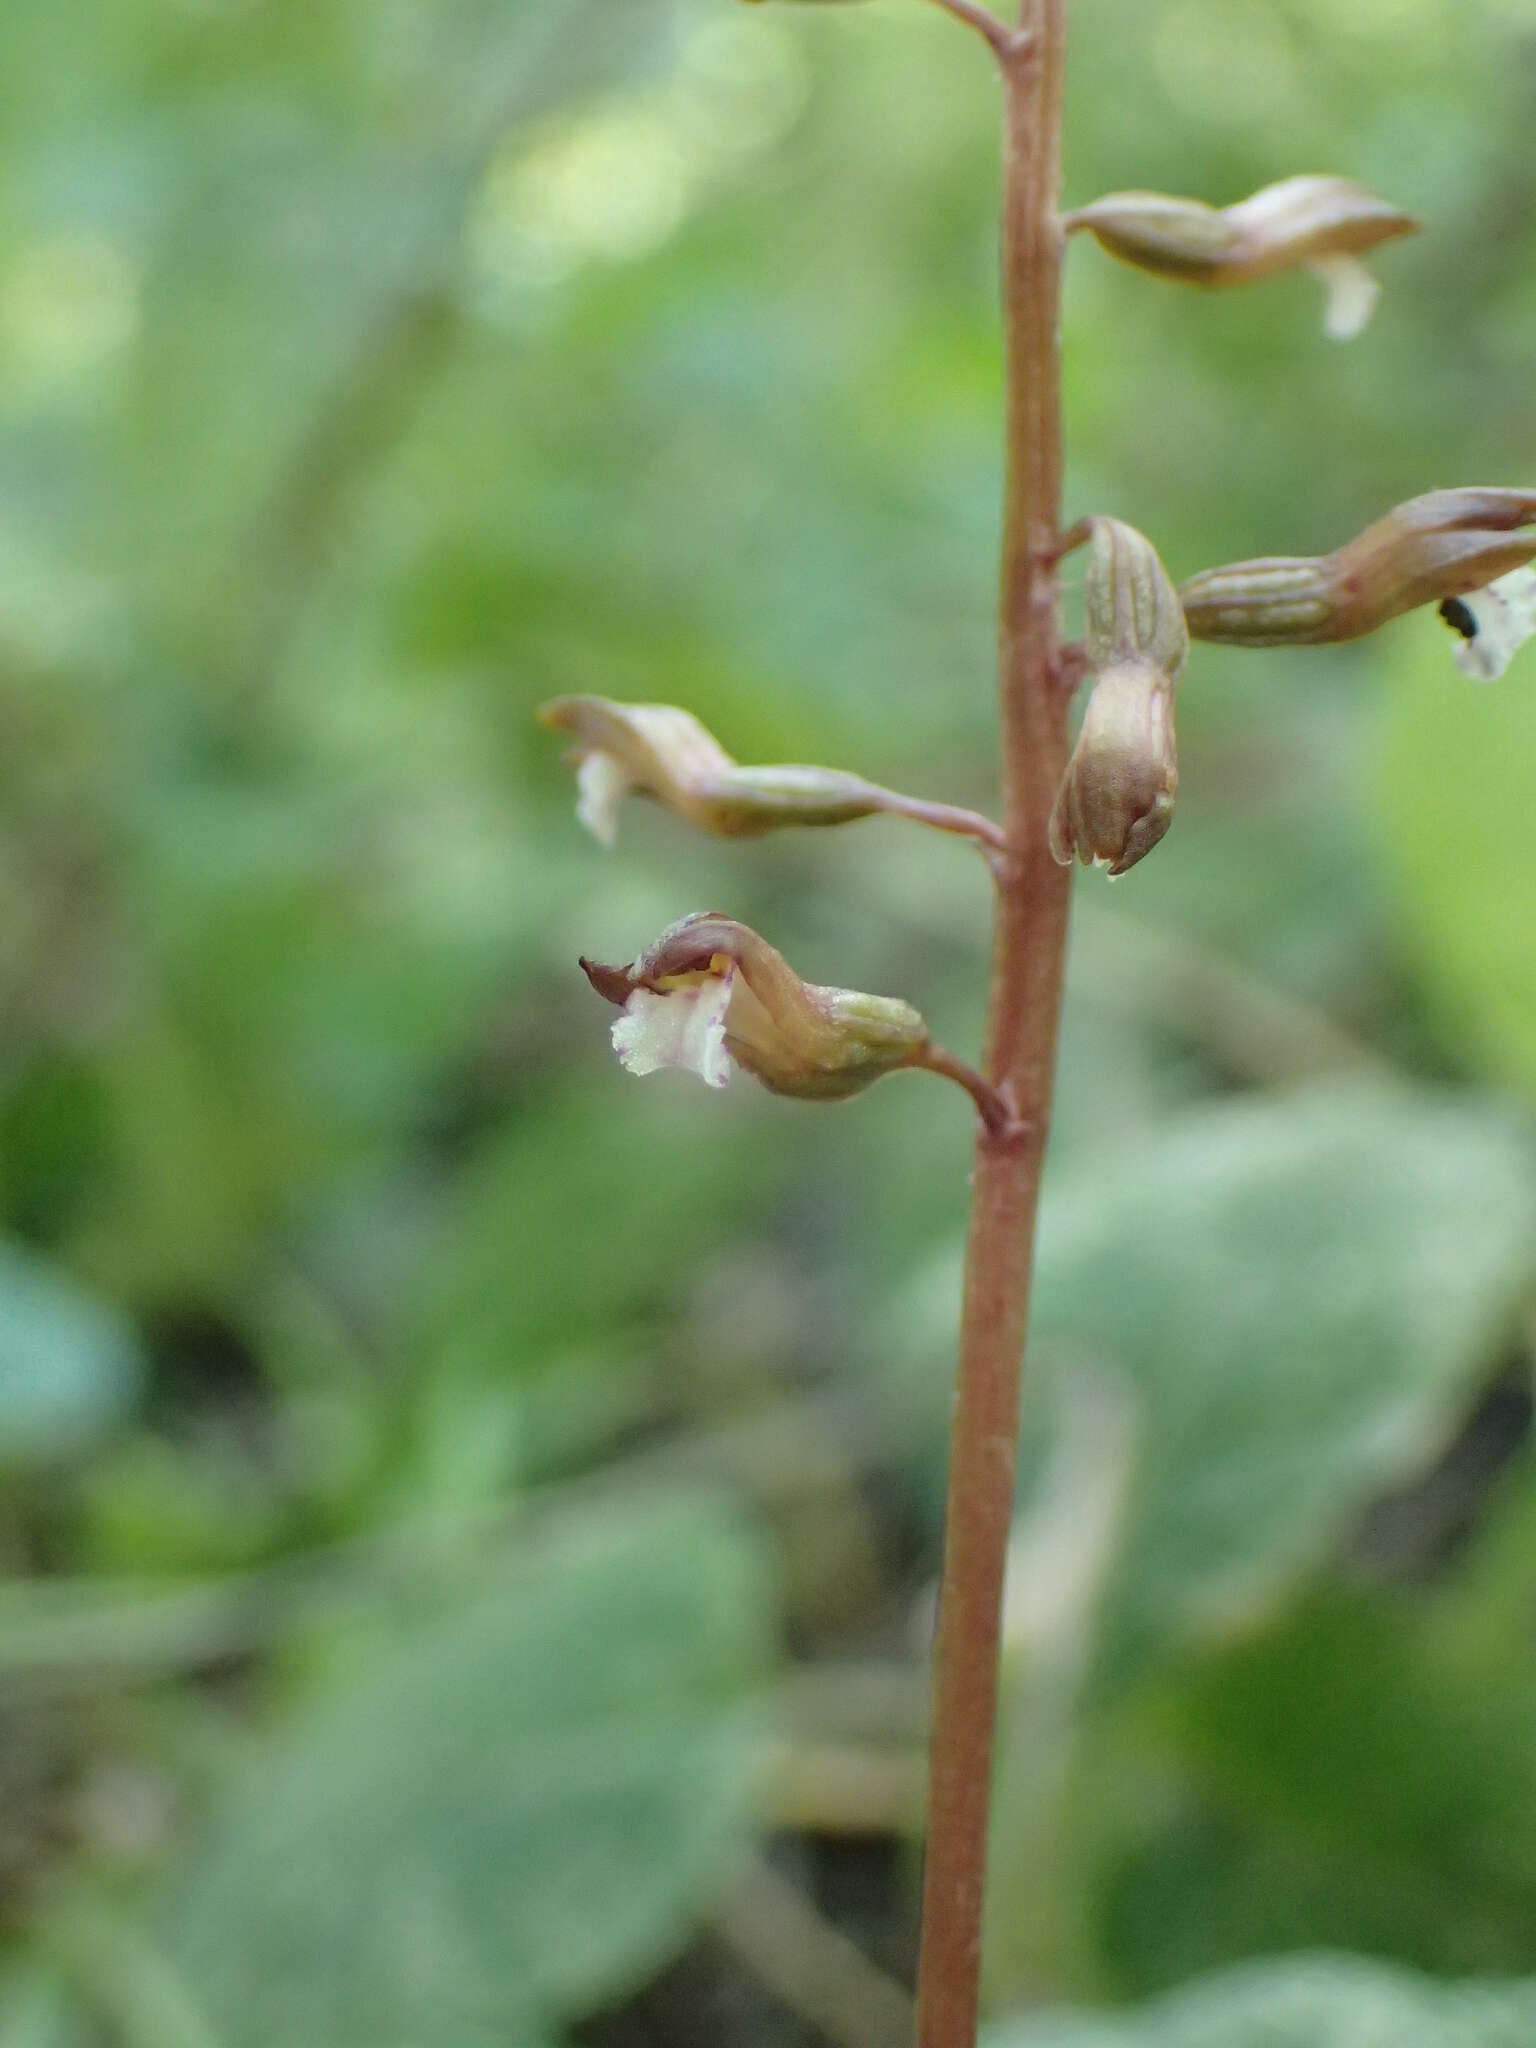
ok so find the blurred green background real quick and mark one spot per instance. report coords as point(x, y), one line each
point(468, 1520)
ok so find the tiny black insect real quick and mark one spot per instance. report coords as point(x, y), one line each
point(1456, 614)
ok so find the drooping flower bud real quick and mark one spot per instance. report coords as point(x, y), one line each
point(1441, 545)
point(1116, 799)
point(659, 751)
point(711, 991)
point(1323, 223)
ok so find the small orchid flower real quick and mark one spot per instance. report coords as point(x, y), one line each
point(1445, 544)
point(659, 751)
point(711, 992)
point(1493, 624)
point(1322, 224)
point(1116, 799)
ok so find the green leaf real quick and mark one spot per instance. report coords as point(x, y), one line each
point(667, 1163)
point(1359, 1771)
point(1455, 805)
point(516, 1817)
point(69, 1365)
point(36, 2012)
point(1297, 1290)
point(1309, 2001)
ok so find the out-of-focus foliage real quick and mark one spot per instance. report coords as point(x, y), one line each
point(1456, 796)
point(507, 1820)
point(420, 1446)
point(1314, 2002)
point(69, 1369)
point(1294, 1294)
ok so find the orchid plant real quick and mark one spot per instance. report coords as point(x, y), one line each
point(711, 995)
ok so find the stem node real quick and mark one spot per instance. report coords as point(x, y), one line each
point(992, 1105)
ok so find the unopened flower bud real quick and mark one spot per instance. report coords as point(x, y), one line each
point(1131, 609)
point(711, 992)
point(1438, 546)
point(1116, 799)
point(659, 751)
point(1323, 223)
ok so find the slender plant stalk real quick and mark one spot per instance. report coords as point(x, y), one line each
point(1024, 1013)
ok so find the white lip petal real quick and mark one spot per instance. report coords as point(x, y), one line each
point(1352, 295)
point(678, 1027)
point(1477, 659)
point(601, 783)
point(1503, 618)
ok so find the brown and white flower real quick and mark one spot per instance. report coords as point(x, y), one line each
point(1444, 544)
point(1322, 224)
point(662, 752)
point(712, 994)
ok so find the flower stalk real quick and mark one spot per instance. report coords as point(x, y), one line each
point(1029, 952)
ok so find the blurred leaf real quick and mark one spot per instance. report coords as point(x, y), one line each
point(1298, 1290)
point(1361, 1771)
point(658, 1166)
point(518, 1816)
point(156, 1506)
point(36, 2012)
point(1311, 2001)
point(1457, 782)
point(1438, 1764)
point(122, 1979)
point(69, 1365)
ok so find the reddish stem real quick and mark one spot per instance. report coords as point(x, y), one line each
point(945, 818)
point(1027, 972)
point(996, 1116)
